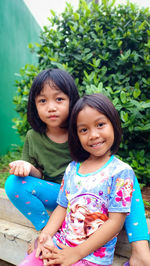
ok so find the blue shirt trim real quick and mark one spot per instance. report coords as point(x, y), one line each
point(100, 169)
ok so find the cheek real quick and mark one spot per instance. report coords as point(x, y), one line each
point(82, 140)
point(111, 136)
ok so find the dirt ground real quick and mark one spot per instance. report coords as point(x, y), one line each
point(4, 263)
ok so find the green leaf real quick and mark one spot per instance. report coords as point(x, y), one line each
point(123, 97)
point(124, 116)
point(136, 93)
point(143, 128)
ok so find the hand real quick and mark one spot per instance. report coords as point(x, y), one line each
point(44, 239)
point(20, 168)
point(65, 256)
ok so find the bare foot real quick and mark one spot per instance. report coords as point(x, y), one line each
point(140, 253)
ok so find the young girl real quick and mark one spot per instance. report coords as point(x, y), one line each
point(34, 184)
point(35, 181)
point(95, 194)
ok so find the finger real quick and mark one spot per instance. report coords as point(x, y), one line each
point(52, 249)
point(12, 164)
point(50, 262)
point(49, 256)
point(16, 170)
point(62, 246)
point(26, 172)
point(38, 252)
point(19, 171)
point(11, 171)
point(45, 262)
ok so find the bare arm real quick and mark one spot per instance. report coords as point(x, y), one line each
point(55, 221)
point(103, 234)
point(69, 255)
point(23, 168)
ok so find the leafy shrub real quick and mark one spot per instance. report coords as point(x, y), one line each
point(106, 49)
point(12, 155)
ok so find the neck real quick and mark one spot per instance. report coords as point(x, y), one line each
point(92, 164)
point(58, 135)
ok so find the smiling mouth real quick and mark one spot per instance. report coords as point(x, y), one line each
point(97, 145)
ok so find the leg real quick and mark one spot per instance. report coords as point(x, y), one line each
point(137, 230)
point(32, 197)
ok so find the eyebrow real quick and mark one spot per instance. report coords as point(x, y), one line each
point(56, 93)
point(98, 119)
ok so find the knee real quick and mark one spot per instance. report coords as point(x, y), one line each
point(10, 185)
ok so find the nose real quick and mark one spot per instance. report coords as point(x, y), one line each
point(93, 134)
point(51, 107)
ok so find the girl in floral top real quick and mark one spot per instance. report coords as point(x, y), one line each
point(96, 190)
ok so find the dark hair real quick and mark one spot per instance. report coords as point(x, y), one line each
point(102, 104)
point(56, 77)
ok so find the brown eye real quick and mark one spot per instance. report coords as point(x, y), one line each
point(83, 130)
point(59, 99)
point(100, 125)
point(42, 101)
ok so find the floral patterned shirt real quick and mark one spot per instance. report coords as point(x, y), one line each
point(89, 198)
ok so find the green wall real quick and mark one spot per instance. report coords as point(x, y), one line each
point(18, 28)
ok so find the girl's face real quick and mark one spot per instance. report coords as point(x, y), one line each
point(95, 133)
point(77, 222)
point(52, 106)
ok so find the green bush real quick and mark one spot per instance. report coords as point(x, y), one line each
point(106, 49)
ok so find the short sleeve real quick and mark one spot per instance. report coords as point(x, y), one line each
point(62, 198)
point(121, 191)
point(26, 153)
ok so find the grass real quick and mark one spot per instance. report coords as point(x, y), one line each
point(14, 154)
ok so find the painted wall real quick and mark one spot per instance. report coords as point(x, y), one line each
point(18, 28)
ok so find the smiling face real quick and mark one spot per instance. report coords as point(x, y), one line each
point(95, 132)
point(52, 106)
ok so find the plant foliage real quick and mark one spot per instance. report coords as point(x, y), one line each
point(107, 49)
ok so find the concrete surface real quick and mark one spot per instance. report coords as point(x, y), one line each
point(16, 232)
point(9, 213)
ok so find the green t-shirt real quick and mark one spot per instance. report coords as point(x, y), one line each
point(51, 157)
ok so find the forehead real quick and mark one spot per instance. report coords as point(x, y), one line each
point(49, 89)
point(89, 114)
point(50, 85)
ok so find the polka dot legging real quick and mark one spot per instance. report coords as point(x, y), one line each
point(32, 197)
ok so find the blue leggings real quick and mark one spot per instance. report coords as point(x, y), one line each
point(33, 197)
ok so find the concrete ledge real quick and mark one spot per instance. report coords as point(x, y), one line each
point(9, 213)
point(14, 239)
point(16, 232)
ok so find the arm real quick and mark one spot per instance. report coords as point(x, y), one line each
point(56, 219)
point(23, 168)
point(103, 234)
point(69, 255)
point(28, 165)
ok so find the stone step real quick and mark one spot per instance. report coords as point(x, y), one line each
point(119, 261)
point(16, 232)
point(9, 213)
point(14, 239)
